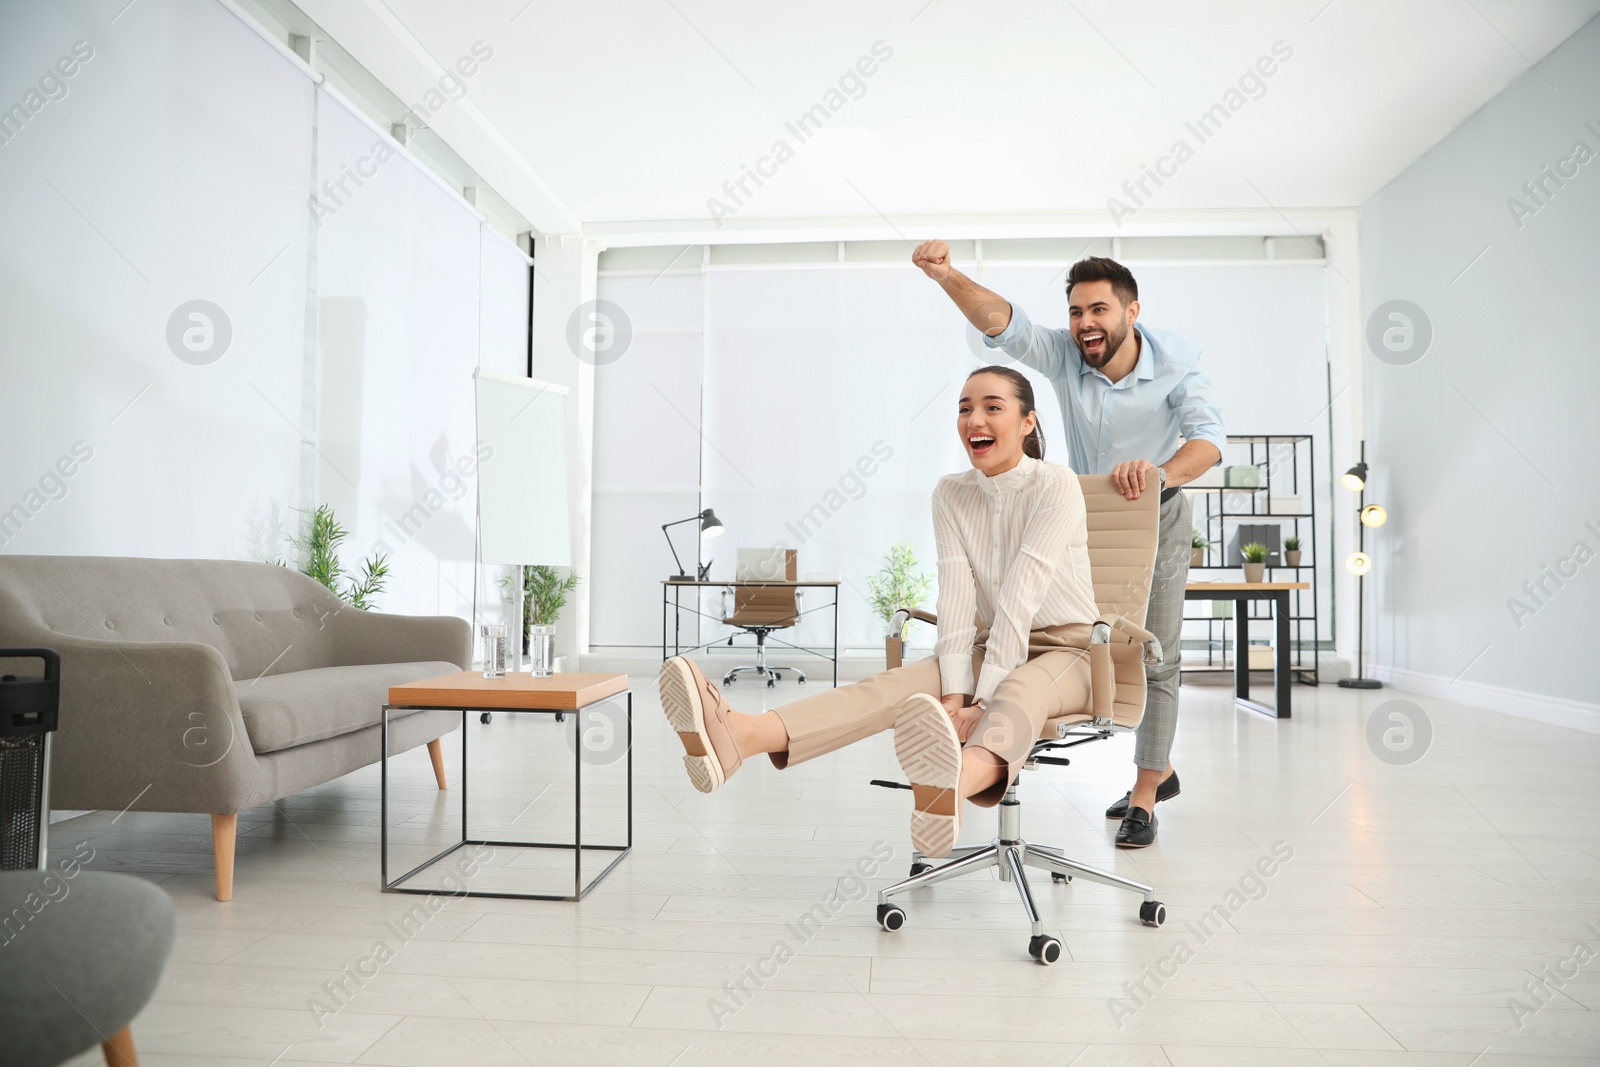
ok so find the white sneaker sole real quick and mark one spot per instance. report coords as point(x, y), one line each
point(925, 742)
point(680, 699)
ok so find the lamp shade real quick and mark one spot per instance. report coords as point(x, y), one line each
point(1358, 563)
point(710, 525)
point(1355, 479)
point(1374, 515)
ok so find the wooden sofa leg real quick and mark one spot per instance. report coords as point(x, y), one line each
point(436, 753)
point(223, 830)
point(119, 1051)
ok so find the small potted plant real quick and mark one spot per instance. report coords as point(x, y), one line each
point(1291, 551)
point(1255, 561)
point(544, 594)
point(1197, 548)
point(898, 585)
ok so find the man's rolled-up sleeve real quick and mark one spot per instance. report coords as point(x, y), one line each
point(1199, 417)
point(1043, 349)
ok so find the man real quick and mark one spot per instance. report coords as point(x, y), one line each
point(1137, 407)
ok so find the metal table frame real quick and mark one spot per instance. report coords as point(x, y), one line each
point(676, 606)
point(577, 847)
point(1282, 664)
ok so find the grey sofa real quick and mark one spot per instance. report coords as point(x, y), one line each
point(213, 686)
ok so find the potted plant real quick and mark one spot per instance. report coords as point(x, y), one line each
point(898, 585)
point(544, 594)
point(1197, 548)
point(319, 548)
point(1255, 561)
point(1291, 551)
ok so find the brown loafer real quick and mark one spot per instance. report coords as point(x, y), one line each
point(698, 711)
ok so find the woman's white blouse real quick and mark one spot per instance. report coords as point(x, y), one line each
point(1014, 555)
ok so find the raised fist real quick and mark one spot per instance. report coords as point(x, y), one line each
point(933, 257)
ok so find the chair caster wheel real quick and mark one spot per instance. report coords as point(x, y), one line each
point(1045, 949)
point(728, 680)
point(485, 717)
point(802, 681)
point(561, 717)
point(771, 683)
point(1059, 878)
point(1152, 913)
point(890, 917)
point(918, 868)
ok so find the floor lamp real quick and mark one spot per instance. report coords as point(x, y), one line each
point(1359, 564)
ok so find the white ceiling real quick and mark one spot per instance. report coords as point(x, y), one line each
point(626, 110)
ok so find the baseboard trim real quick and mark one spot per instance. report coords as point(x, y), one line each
point(1557, 711)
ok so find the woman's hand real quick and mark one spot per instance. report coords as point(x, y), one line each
point(966, 720)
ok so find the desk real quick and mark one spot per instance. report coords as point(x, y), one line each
point(471, 691)
point(1241, 593)
point(674, 586)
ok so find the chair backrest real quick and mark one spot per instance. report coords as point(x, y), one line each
point(1122, 546)
point(1122, 557)
point(767, 605)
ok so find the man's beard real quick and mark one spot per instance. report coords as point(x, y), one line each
point(1113, 345)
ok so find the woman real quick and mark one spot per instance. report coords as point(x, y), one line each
point(1013, 551)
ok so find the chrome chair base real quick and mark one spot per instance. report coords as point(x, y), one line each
point(771, 673)
point(1012, 856)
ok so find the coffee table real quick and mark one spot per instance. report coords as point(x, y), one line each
point(469, 691)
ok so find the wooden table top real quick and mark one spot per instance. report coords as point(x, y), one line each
point(1244, 587)
point(470, 689)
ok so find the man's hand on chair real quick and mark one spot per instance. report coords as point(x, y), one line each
point(1133, 476)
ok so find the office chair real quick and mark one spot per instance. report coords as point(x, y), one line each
point(759, 610)
point(1122, 549)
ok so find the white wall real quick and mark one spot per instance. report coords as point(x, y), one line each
point(1483, 450)
point(181, 164)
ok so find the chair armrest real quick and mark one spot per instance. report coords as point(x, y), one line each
point(893, 646)
point(1115, 641)
point(154, 726)
point(372, 637)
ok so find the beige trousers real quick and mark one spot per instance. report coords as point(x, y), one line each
point(1054, 681)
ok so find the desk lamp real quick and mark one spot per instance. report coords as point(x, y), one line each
point(710, 525)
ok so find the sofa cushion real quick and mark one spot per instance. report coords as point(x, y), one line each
point(284, 710)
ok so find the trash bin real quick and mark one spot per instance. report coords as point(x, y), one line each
point(29, 706)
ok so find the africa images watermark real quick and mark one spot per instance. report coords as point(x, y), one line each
point(1251, 85)
point(851, 486)
point(1538, 590)
point(1538, 987)
point(1544, 188)
point(1251, 887)
point(52, 485)
point(339, 991)
point(450, 86)
point(851, 886)
point(52, 889)
point(803, 127)
point(52, 86)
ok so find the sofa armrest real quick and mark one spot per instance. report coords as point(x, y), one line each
point(152, 726)
point(371, 637)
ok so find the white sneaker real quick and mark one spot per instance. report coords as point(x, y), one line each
point(930, 754)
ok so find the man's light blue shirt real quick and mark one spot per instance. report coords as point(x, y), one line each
point(1166, 401)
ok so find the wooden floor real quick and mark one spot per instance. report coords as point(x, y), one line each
point(1416, 907)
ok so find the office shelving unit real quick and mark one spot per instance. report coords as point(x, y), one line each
point(1218, 510)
